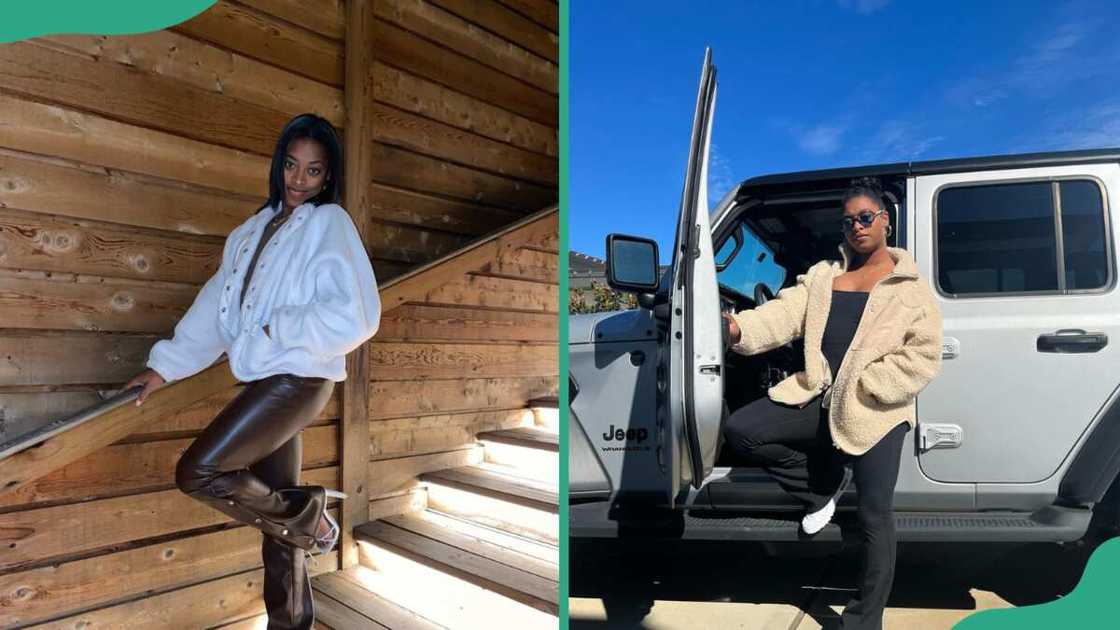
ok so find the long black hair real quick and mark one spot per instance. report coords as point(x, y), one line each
point(322, 131)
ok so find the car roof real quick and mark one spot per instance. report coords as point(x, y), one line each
point(932, 167)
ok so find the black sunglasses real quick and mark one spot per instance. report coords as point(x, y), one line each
point(865, 218)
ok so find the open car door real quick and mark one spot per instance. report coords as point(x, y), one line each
point(696, 334)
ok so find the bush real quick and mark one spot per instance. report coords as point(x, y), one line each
point(599, 298)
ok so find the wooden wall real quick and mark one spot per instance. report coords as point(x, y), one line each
point(464, 121)
point(124, 163)
point(463, 357)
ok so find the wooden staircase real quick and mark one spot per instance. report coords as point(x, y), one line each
point(482, 553)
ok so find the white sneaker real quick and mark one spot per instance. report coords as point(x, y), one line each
point(815, 521)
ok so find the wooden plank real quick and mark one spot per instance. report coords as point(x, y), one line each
point(499, 293)
point(405, 169)
point(341, 588)
point(436, 139)
point(415, 285)
point(512, 582)
point(407, 51)
point(404, 503)
point(195, 417)
point(496, 18)
point(338, 615)
point(390, 475)
point(388, 269)
point(405, 399)
point(91, 304)
point(415, 322)
point(22, 412)
point(37, 594)
point(401, 437)
point(527, 264)
point(410, 243)
point(260, 621)
point(531, 437)
point(407, 361)
point(507, 487)
point(451, 215)
point(30, 240)
point(52, 534)
point(41, 186)
point(39, 359)
point(260, 36)
point(211, 68)
point(131, 468)
point(134, 97)
point(54, 130)
point(489, 548)
point(40, 404)
point(200, 606)
point(325, 17)
point(409, 92)
point(543, 12)
point(27, 466)
point(354, 425)
point(454, 32)
point(539, 549)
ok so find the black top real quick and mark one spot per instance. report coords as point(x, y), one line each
point(269, 230)
point(843, 319)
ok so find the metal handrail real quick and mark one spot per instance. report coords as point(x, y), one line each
point(55, 427)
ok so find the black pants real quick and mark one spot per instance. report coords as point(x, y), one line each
point(795, 447)
point(246, 464)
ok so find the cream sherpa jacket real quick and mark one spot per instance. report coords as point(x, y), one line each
point(895, 353)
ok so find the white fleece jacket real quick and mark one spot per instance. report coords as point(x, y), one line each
point(314, 286)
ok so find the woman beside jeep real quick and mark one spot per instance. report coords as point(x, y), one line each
point(872, 332)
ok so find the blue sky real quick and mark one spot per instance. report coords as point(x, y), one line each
point(821, 83)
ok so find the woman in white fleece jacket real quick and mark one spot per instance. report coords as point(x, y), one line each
point(295, 292)
point(872, 332)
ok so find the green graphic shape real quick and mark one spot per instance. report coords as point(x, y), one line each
point(1092, 601)
point(108, 17)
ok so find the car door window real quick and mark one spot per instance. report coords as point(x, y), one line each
point(753, 264)
point(1022, 237)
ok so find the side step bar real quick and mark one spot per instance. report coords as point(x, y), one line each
point(1050, 524)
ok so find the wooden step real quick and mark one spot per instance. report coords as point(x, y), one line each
point(529, 451)
point(502, 485)
point(529, 437)
point(496, 545)
point(546, 412)
point(342, 589)
point(544, 551)
point(459, 494)
point(545, 402)
point(455, 579)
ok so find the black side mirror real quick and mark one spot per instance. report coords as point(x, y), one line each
point(632, 263)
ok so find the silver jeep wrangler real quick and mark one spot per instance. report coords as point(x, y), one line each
point(1018, 438)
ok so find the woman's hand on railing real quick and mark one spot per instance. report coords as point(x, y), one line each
point(150, 379)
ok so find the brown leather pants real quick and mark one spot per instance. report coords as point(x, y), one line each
point(246, 464)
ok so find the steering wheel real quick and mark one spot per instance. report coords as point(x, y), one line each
point(762, 294)
point(785, 355)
